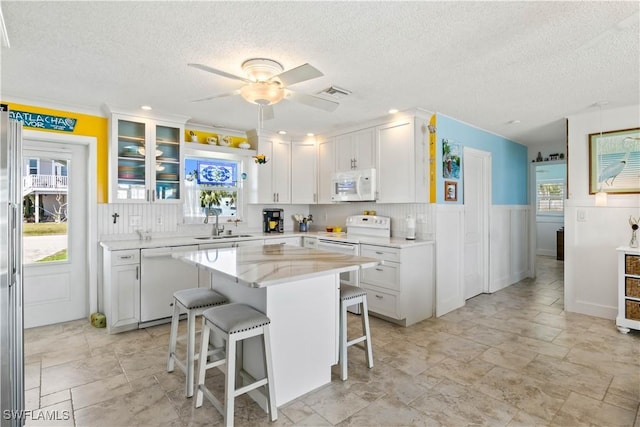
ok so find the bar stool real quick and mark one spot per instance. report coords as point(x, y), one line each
point(235, 322)
point(194, 301)
point(352, 295)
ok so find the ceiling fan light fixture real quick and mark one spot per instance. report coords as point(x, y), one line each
point(262, 93)
point(261, 69)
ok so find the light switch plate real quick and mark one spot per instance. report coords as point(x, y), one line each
point(135, 220)
point(581, 215)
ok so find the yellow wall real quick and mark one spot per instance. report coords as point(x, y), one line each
point(86, 125)
point(432, 161)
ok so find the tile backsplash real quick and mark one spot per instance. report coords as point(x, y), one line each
point(167, 220)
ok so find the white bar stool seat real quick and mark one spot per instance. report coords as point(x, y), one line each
point(235, 322)
point(193, 301)
point(352, 295)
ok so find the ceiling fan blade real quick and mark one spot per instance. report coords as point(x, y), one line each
point(312, 100)
point(222, 95)
point(267, 112)
point(296, 75)
point(218, 72)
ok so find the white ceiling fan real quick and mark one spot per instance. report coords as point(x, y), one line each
point(267, 83)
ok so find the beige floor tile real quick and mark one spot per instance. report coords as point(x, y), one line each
point(99, 391)
point(60, 414)
point(335, 403)
point(32, 375)
point(53, 398)
point(525, 345)
point(528, 394)
point(454, 404)
point(144, 363)
point(465, 373)
point(583, 410)
point(569, 375)
point(389, 412)
point(73, 374)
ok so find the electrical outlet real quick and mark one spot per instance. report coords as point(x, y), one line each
point(159, 220)
point(135, 220)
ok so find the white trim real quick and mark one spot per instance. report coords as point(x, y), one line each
point(92, 231)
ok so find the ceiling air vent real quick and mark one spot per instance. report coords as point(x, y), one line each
point(335, 91)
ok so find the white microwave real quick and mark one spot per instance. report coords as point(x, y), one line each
point(354, 186)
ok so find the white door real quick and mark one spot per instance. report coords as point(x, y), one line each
point(477, 200)
point(55, 238)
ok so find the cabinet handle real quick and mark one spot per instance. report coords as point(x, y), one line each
point(315, 197)
point(379, 296)
point(137, 272)
point(355, 163)
point(379, 253)
point(274, 197)
point(379, 269)
point(153, 195)
point(277, 197)
point(147, 195)
point(126, 257)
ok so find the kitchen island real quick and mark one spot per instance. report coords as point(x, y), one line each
point(298, 288)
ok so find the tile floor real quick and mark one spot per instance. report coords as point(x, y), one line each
point(511, 358)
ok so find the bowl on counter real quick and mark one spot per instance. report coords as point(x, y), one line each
point(329, 229)
point(337, 229)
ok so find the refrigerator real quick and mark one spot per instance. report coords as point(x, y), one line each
point(11, 300)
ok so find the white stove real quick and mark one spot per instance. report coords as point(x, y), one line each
point(368, 225)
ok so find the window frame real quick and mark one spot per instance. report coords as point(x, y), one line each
point(562, 196)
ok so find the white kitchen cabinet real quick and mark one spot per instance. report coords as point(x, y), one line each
point(326, 169)
point(403, 166)
point(310, 242)
point(274, 176)
point(121, 286)
point(304, 177)
point(628, 289)
point(401, 288)
point(146, 158)
point(356, 150)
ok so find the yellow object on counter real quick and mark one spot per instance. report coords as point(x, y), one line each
point(337, 229)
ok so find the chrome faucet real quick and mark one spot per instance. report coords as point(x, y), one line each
point(217, 230)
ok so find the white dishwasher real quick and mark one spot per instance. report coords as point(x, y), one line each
point(161, 276)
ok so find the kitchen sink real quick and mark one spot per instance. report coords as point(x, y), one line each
point(232, 236)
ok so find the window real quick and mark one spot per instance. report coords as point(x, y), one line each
point(211, 183)
point(550, 197)
point(33, 166)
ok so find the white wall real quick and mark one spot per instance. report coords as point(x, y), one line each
point(590, 273)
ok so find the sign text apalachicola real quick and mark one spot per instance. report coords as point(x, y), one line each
point(43, 121)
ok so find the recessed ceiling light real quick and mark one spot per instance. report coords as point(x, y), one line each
point(514, 122)
point(393, 111)
point(282, 132)
point(146, 107)
point(310, 134)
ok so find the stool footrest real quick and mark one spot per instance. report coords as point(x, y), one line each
point(250, 387)
point(356, 340)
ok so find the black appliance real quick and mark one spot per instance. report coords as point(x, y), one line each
point(273, 220)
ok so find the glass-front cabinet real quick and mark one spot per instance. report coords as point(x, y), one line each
point(145, 160)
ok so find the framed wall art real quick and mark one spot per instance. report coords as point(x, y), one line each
point(614, 161)
point(450, 191)
point(451, 159)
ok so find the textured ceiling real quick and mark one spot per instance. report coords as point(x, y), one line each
point(485, 63)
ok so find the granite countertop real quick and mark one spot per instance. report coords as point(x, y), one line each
point(268, 265)
point(159, 242)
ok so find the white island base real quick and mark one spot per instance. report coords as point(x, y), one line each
point(304, 332)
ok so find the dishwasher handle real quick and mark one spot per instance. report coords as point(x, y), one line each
point(164, 253)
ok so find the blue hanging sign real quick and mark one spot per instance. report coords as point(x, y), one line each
point(43, 121)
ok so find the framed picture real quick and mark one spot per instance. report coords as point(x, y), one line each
point(450, 191)
point(451, 155)
point(614, 161)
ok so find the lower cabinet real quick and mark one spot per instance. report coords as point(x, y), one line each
point(121, 279)
point(401, 288)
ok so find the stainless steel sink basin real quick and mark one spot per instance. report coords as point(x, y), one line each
point(227, 236)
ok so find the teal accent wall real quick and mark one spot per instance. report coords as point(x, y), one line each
point(509, 162)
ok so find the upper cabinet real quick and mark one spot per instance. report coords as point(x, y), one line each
point(326, 168)
point(403, 162)
point(303, 173)
point(274, 176)
point(145, 160)
point(356, 150)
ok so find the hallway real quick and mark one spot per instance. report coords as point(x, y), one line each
point(511, 358)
